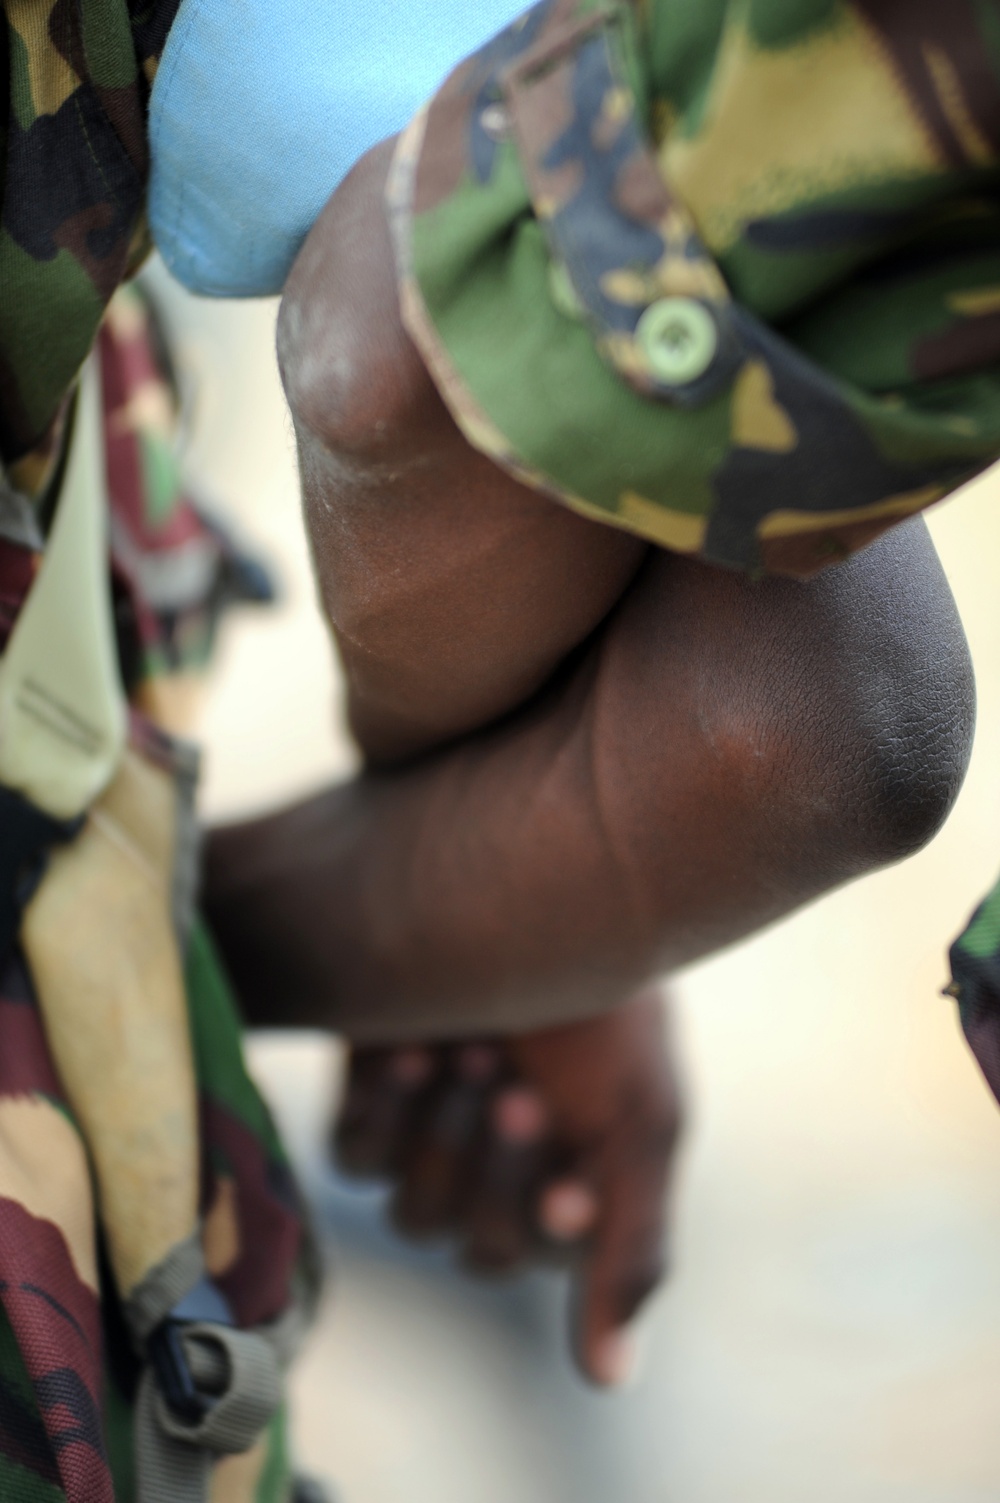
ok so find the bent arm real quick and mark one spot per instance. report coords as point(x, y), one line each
point(452, 590)
point(618, 759)
point(722, 752)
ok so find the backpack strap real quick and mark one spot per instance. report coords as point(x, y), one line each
point(62, 712)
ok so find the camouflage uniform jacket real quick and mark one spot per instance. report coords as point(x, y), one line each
point(724, 273)
point(75, 76)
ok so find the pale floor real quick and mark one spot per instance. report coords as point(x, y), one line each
point(832, 1328)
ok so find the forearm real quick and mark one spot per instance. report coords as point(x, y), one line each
point(431, 902)
point(419, 903)
point(722, 754)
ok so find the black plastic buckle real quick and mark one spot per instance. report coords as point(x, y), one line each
point(168, 1359)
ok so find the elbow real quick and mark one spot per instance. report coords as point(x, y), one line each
point(915, 764)
point(893, 704)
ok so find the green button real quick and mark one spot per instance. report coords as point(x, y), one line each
point(679, 339)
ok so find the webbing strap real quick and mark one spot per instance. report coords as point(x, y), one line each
point(208, 1389)
point(240, 1371)
point(62, 713)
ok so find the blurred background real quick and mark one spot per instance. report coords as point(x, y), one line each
point(831, 1330)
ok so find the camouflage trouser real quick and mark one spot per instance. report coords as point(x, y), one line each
point(68, 1366)
point(67, 1370)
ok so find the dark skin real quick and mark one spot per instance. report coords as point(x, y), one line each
point(555, 1145)
point(588, 762)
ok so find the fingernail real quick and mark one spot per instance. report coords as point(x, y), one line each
point(567, 1210)
point(411, 1067)
point(519, 1116)
point(613, 1359)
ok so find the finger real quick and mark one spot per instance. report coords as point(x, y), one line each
point(383, 1092)
point(626, 1261)
point(445, 1138)
point(568, 1210)
point(500, 1219)
point(445, 1135)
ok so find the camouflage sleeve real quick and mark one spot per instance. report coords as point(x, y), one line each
point(975, 985)
point(724, 273)
point(74, 83)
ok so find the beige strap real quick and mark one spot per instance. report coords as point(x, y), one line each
point(62, 713)
point(99, 938)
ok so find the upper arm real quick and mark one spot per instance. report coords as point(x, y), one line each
point(453, 591)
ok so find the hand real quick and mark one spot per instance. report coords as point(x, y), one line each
point(560, 1141)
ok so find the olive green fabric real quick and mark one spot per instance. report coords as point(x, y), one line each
point(725, 273)
point(74, 84)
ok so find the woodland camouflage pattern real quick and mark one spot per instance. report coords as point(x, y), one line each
point(67, 1368)
point(822, 176)
point(74, 83)
point(76, 75)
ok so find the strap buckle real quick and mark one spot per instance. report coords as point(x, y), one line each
point(168, 1358)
